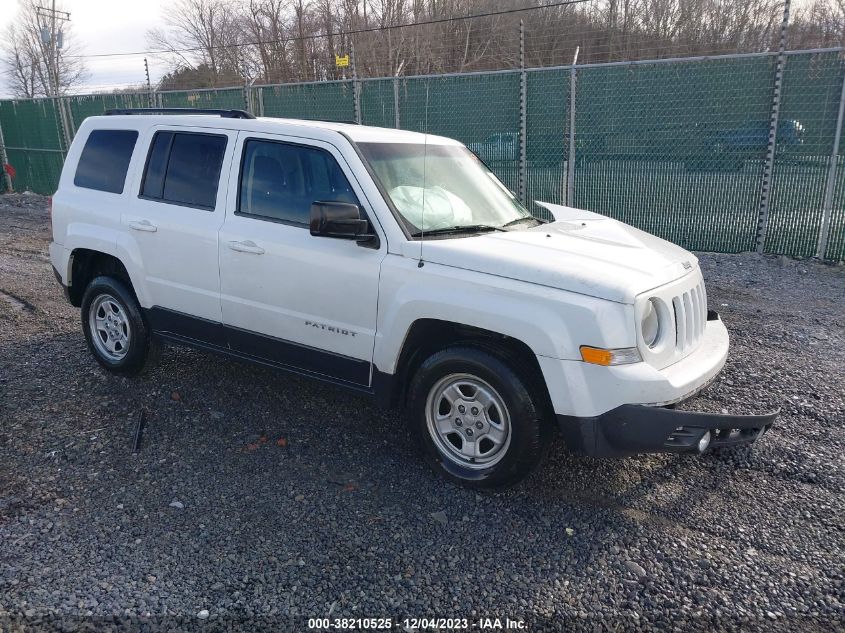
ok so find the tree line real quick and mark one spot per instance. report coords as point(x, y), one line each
point(217, 43)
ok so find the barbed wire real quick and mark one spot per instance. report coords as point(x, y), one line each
point(287, 40)
point(419, 48)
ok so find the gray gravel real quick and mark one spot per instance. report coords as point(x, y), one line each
point(258, 498)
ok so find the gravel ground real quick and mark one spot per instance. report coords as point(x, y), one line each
point(259, 498)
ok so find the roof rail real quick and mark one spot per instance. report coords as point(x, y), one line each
point(346, 121)
point(226, 114)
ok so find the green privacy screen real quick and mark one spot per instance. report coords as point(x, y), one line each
point(33, 143)
point(378, 102)
point(836, 236)
point(664, 147)
point(812, 87)
point(80, 108)
point(547, 136)
point(675, 147)
point(470, 108)
point(323, 101)
point(223, 98)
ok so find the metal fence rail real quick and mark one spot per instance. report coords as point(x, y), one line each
point(677, 147)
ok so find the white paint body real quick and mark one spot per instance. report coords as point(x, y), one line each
point(581, 280)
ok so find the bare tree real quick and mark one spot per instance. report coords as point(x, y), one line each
point(202, 33)
point(819, 24)
point(33, 67)
point(219, 42)
point(267, 31)
point(20, 63)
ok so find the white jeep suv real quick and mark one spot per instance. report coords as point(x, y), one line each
point(394, 264)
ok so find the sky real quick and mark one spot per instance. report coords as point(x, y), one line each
point(106, 26)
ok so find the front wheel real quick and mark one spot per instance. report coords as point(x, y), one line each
point(475, 419)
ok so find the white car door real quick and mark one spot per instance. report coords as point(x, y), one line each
point(304, 302)
point(173, 219)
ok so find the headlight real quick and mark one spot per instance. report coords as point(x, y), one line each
point(650, 324)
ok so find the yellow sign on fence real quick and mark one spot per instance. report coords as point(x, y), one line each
point(340, 62)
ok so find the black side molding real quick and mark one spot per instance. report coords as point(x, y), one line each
point(261, 348)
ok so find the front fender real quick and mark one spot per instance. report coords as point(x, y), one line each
point(552, 323)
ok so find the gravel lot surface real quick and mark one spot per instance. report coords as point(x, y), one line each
point(258, 498)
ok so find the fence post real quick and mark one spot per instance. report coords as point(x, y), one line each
point(260, 101)
point(150, 96)
point(4, 160)
point(523, 115)
point(768, 168)
point(830, 185)
point(356, 85)
point(71, 126)
point(246, 89)
point(61, 129)
point(396, 122)
point(247, 98)
point(570, 163)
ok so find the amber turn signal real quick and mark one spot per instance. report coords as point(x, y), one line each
point(596, 356)
point(605, 357)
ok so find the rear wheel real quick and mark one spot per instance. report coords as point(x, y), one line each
point(114, 328)
point(475, 419)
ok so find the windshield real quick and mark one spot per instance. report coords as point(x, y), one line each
point(438, 187)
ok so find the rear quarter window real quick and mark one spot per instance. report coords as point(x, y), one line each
point(105, 160)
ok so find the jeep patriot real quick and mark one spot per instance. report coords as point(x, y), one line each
point(395, 264)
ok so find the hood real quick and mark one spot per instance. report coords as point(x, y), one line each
point(580, 252)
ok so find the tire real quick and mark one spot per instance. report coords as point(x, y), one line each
point(122, 345)
point(508, 429)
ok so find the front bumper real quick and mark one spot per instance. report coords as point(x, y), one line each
point(585, 390)
point(633, 428)
point(623, 428)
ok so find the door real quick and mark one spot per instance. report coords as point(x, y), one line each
point(301, 301)
point(173, 222)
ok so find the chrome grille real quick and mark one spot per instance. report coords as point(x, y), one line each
point(690, 309)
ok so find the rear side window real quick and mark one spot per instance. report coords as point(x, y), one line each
point(105, 160)
point(184, 168)
point(280, 181)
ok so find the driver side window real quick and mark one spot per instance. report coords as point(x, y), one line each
point(279, 181)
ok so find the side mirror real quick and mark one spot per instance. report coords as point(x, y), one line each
point(340, 220)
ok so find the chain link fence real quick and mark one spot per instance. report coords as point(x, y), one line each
point(33, 143)
point(678, 148)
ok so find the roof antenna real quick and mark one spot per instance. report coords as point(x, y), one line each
point(422, 214)
point(425, 163)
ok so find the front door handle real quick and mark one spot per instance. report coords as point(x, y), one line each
point(143, 225)
point(247, 246)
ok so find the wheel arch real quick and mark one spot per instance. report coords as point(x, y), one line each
point(426, 336)
point(86, 264)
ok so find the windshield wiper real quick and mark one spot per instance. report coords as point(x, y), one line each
point(465, 228)
point(518, 220)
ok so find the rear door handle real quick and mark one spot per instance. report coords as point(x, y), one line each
point(143, 225)
point(247, 246)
